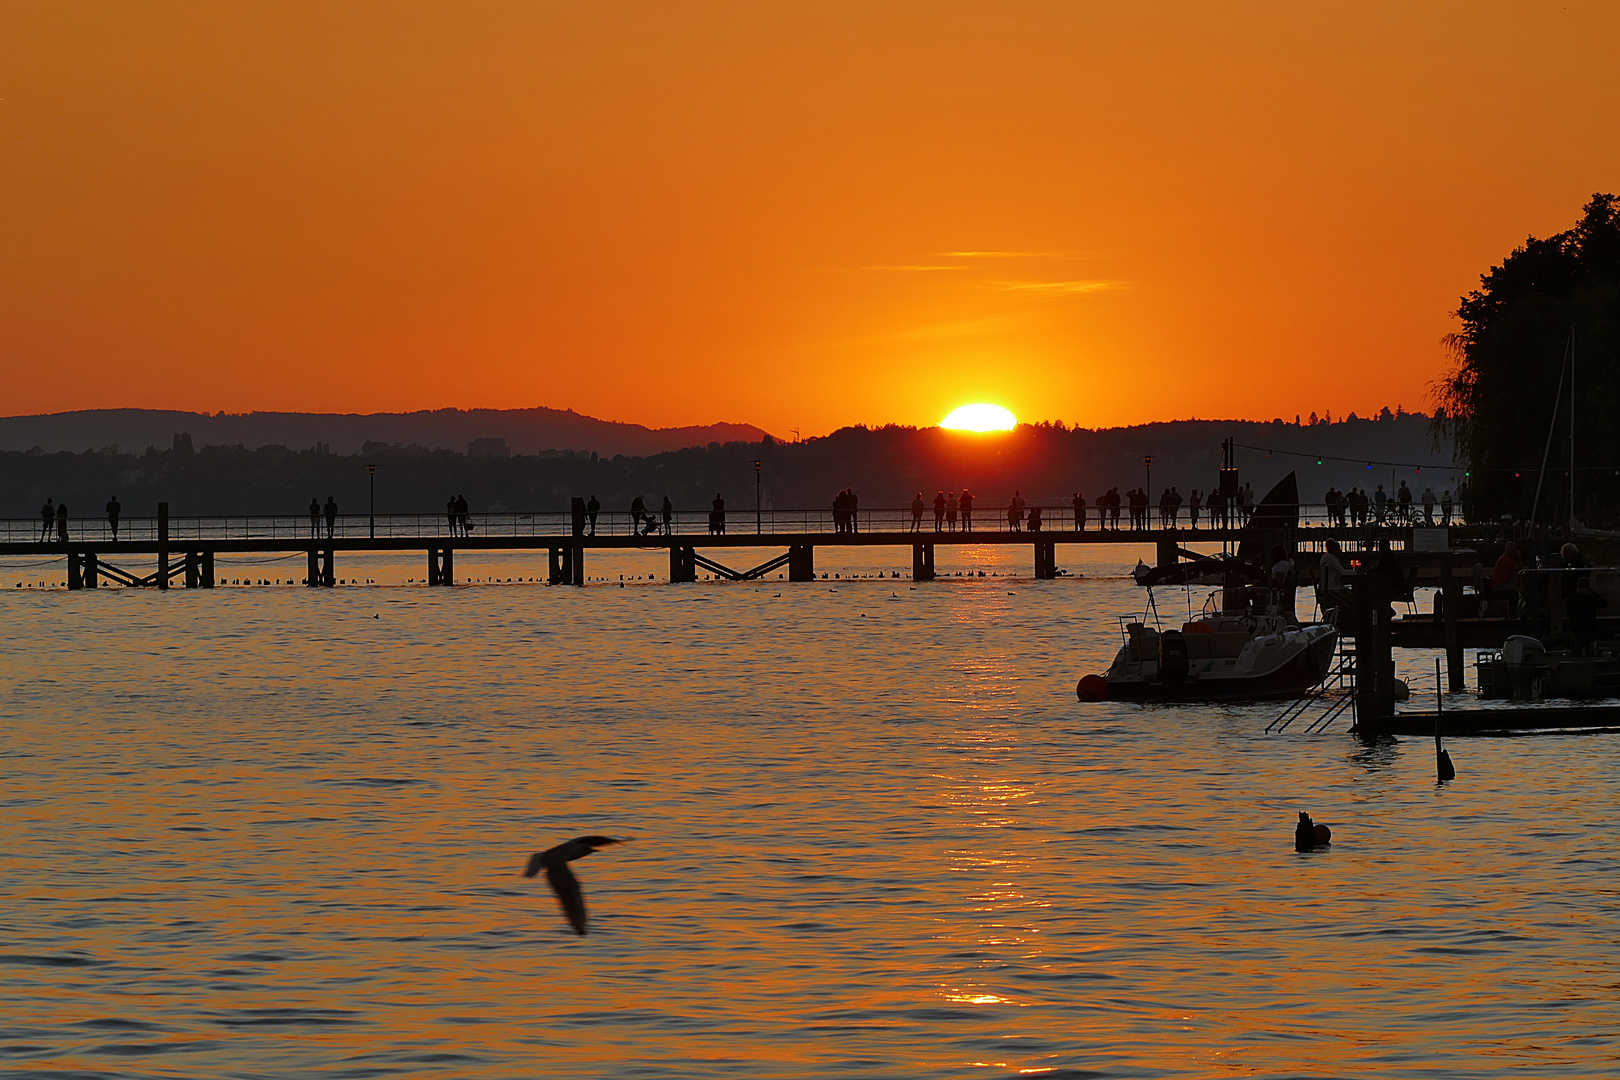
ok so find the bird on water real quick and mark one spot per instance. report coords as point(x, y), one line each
point(563, 882)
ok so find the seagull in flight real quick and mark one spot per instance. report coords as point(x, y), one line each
point(563, 882)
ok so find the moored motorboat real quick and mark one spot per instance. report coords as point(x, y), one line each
point(1216, 657)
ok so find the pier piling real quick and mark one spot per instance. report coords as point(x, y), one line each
point(163, 546)
point(922, 562)
point(802, 562)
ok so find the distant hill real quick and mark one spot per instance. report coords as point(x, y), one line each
point(526, 431)
point(886, 466)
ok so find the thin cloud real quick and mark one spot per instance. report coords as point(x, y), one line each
point(1060, 288)
point(1010, 254)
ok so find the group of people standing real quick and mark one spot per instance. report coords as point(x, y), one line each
point(330, 511)
point(949, 508)
point(457, 513)
point(53, 520)
point(846, 507)
point(1354, 507)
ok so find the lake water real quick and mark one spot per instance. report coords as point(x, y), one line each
point(267, 831)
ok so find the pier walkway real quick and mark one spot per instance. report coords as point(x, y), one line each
point(184, 547)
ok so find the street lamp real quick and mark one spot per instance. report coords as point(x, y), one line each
point(372, 469)
point(757, 528)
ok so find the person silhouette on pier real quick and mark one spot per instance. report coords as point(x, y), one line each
point(950, 512)
point(331, 517)
point(917, 508)
point(638, 511)
point(314, 517)
point(1015, 513)
point(464, 514)
point(1035, 519)
point(669, 516)
point(966, 503)
point(592, 508)
point(451, 515)
point(1079, 512)
point(939, 511)
point(47, 515)
point(854, 510)
point(61, 522)
point(717, 515)
point(115, 510)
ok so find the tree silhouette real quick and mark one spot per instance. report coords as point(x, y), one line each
point(1509, 352)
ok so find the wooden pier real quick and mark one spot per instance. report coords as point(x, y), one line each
point(184, 549)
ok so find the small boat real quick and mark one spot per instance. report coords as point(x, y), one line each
point(1217, 656)
point(1526, 670)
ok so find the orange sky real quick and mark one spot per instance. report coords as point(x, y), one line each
point(798, 215)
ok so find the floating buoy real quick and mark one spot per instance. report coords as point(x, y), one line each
point(1092, 688)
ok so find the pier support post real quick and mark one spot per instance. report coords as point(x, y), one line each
point(1375, 654)
point(191, 569)
point(682, 563)
point(554, 566)
point(328, 569)
point(441, 566)
point(163, 547)
point(207, 572)
point(1045, 560)
point(1169, 553)
point(1451, 590)
point(801, 562)
point(89, 572)
point(922, 562)
point(75, 579)
point(312, 575)
point(577, 564)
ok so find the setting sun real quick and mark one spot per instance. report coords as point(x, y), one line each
point(980, 418)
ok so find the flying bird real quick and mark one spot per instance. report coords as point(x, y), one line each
point(563, 882)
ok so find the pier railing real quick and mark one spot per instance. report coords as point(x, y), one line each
point(299, 530)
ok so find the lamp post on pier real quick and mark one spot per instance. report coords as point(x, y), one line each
point(757, 519)
point(372, 469)
point(1147, 460)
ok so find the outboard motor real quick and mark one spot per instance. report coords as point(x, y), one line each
point(1525, 659)
point(1172, 658)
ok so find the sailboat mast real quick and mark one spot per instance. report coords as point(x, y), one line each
point(1571, 421)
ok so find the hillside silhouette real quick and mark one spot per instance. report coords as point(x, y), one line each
point(886, 466)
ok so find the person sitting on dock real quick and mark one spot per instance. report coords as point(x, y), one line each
point(1035, 519)
point(917, 508)
point(1079, 512)
point(1504, 578)
point(115, 510)
point(1330, 592)
point(966, 503)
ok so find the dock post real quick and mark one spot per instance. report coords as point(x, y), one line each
point(163, 546)
point(447, 567)
point(312, 576)
point(328, 570)
point(802, 562)
point(433, 566)
point(1045, 560)
point(207, 569)
point(1375, 657)
point(682, 563)
point(576, 550)
point(576, 559)
point(191, 569)
point(922, 562)
point(89, 571)
point(554, 574)
point(75, 579)
point(1451, 590)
